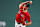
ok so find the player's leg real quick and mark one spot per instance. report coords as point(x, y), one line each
point(17, 25)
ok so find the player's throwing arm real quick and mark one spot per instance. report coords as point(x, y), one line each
point(23, 15)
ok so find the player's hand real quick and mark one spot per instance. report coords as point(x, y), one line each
point(26, 24)
point(30, 2)
point(29, 23)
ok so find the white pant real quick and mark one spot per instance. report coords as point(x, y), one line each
point(18, 25)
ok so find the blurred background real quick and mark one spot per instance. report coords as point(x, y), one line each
point(9, 9)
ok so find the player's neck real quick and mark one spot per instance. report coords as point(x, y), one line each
point(25, 10)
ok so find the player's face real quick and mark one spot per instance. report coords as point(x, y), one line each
point(25, 7)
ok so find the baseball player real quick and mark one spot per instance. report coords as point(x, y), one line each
point(23, 15)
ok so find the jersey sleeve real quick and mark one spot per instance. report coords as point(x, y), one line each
point(28, 17)
point(21, 8)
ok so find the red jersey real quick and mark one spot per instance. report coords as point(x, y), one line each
point(21, 16)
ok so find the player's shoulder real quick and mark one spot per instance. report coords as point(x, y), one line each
point(21, 7)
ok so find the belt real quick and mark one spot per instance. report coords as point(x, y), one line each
point(18, 22)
